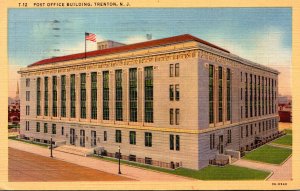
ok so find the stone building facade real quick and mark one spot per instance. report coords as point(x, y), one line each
point(179, 99)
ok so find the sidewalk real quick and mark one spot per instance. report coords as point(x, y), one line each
point(109, 167)
point(282, 172)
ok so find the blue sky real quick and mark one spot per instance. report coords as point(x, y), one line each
point(262, 35)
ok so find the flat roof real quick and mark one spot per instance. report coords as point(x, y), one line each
point(130, 47)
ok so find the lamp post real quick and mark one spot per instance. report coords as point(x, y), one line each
point(119, 161)
point(51, 148)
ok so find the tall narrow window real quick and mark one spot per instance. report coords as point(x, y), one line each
point(105, 136)
point(132, 137)
point(63, 96)
point(241, 93)
point(171, 116)
point(118, 136)
point(171, 70)
point(27, 82)
point(27, 126)
point(246, 95)
point(83, 95)
point(38, 97)
point(220, 94)
point(149, 94)
point(53, 128)
point(148, 139)
point(177, 116)
point(211, 93)
point(212, 141)
point(229, 136)
point(46, 96)
point(177, 69)
point(38, 127)
point(177, 92)
point(93, 138)
point(54, 96)
point(251, 96)
point(228, 94)
point(247, 132)
point(73, 96)
point(171, 92)
point(94, 95)
point(133, 94)
point(106, 95)
point(242, 131)
point(82, 138)
point(27, 95)
point(45, 127)
point(171, 140)
point(118, 83)
point(177, 142)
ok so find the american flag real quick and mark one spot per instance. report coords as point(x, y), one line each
point(90, 36)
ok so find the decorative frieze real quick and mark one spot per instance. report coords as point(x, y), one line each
point(117, 63)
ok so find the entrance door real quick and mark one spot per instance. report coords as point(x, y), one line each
point(82, 138)
point(72, 136)
point(221, 146)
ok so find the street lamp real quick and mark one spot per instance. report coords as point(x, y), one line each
point(51, 148)
point(119, 161)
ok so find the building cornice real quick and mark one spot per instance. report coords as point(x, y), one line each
point(150, 128)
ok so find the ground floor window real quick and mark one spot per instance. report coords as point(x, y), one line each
point(93, 138)
point(212, 141)
point(54, 129)
point(72, 136)
point(82, 138)
point(132, 137)
point(105, 135)
point(37, 126)
point(148, 160)
point(45, 127)
point(148, 139)
point(118, 136)
point(132, 158)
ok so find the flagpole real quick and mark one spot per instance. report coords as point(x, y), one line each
point(85, 45)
